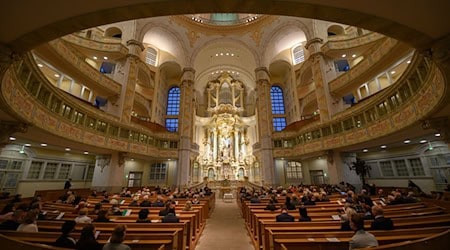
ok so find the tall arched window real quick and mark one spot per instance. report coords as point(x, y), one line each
point(151, 56)
point(279, 119)
point(173, 109)
point(298, 54)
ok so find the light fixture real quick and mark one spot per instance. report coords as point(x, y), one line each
point(27, 145)
point(132, 159)
point(232, 54)
point(365, 150)
point(383, 146)
point(11, 138)
point(57, 75)
point(105, 57)
point(86, 152)
point(393, 72)
point(437, 134)
point(430, 147)
point(408, 62)
point(423, 141)
point(22, 150)
point(354, 55)
point(44, 144)
point(217, 54)
point(95, 58)
point(344, 55)
point(67, 149)
point(407, 141)
point(169, 159)
point(40, 65)
point(221, 54)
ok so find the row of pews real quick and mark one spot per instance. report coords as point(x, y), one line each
point(156, 235)
point(412, 222)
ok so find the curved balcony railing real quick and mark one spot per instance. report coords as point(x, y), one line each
point(375, 60)
point(28, 93)
point(413, 97)
point(350, 43)
point(75, 59)
point(114, 47)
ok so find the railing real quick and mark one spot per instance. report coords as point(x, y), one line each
point(414, 95)
point(37, 101)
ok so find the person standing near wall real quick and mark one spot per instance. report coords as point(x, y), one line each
point(68, 184)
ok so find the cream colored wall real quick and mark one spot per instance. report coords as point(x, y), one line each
point(27, 188)
point(426, 184)
point(279, 172)
point(144, 166)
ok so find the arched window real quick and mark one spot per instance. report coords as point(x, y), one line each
point(298, 54)
point(279, 119)
point(173, 109)
point(151, 56)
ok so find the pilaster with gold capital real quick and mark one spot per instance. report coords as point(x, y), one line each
point(320, 82)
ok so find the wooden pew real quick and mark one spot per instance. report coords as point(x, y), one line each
point(132, 228)
point(436, 241)
point(311, 237)
point(148, 240)
point(399, 223)
point(13, 244)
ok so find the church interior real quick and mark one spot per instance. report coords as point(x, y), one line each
point(224, 94)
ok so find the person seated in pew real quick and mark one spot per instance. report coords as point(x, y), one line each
point(146, 202)
point(361, 238)
point(114, 200)
point(288, 204)
point(310, 201)
point(29, 223)
point(135, 201)
point(7, 211)
point(159, 202)
point(13, 222)
point(65, 240)
point(97, 208)
point(143, 216)
point(170, 218)
point(170, 208)
point(380, 222)
point(87, 239)
point(115, 209)
point(102, 216)
point(196, 201)
point(94, 193)
point(117, 237)
point(345, 218)
point(255, 198)
point(187, 206)
point(83, 216)
point(105, 199)
point(271, 206)
point(284, 216)
point(294, 200)
point(303, 214)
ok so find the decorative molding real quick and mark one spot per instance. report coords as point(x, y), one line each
point(9, 128)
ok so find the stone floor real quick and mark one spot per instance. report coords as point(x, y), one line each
point(225, 229)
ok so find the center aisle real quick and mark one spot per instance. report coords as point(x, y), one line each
point(225, 230)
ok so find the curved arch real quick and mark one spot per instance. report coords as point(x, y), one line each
point(335, 30)
point(368, 15)
point(174, 36)
point(113, 32)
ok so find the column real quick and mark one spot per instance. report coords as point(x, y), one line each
point(335, 167)
point(109, 173)
point(236, 146)
point(320, 81)
point(264, 109)
point(131, 76)
point(186, 125)
point(215, 145)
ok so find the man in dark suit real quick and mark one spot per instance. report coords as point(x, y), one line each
point(284, 216)
point(380, 222)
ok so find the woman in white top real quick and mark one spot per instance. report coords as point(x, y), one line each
point(29, 223)
point(82, 216)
